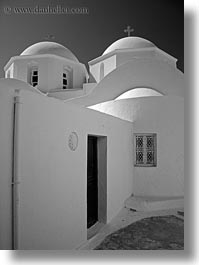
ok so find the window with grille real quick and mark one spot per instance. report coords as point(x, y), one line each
point(34, 77)
point(145, 150)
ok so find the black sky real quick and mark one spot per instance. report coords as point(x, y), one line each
point(87, 36)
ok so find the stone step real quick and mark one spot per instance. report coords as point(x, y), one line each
point(154, 203)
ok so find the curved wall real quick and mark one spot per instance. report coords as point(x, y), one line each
point(140, 72)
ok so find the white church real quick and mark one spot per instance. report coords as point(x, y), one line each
point(76, 145)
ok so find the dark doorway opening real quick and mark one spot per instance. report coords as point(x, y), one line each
point(92, 181)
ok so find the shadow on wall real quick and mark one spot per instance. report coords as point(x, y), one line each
point(92, 79)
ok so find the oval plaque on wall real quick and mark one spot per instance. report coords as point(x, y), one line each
point(73, 141)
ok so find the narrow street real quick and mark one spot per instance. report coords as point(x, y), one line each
point(152, 233)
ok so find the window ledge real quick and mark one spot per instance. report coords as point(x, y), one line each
point(145, 165)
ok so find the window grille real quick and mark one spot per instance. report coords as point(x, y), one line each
point(145, 150)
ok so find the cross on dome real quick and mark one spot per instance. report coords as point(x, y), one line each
point(49, 37)
point(128, 30)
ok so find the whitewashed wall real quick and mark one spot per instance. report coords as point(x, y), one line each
point(7, 93)
point(109, 65)
point(164, 116)
point(54, 178)
point(139, 72)
point(6, 118)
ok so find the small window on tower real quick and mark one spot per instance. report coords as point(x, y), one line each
point(34, 77)
point(65, 81)
point(145, 150)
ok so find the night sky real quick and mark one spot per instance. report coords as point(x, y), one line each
point(88, 35)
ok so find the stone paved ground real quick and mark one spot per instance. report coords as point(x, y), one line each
point(152, 233)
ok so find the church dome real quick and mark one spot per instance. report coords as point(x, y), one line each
point(129, 43)
point(47, 47)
